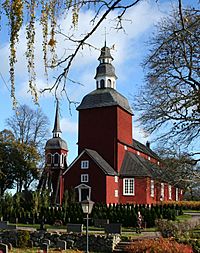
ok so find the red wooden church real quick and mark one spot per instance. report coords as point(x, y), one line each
point(111, 167)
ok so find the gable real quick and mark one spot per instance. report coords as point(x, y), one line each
point(100, 162)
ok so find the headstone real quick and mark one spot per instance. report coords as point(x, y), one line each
point(113, 228)
point(74, 228)
point(47, 241)
point(3, 248)
point(45, 248)
point(62, 245)
point(70, 244)
point(100, 223)
point(9, 246)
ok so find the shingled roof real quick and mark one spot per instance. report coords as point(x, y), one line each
point(136, 166)
point(144, 149)
point(103, 98)
point(101, 162)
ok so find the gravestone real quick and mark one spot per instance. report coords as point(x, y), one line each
point(74, 228)
point(70, 244)
point(113, 228)
point(100, 223)
point(45, 248)
point(3, 248)
point(47, 241)
point(62, 245)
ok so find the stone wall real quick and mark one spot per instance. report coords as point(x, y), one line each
point(100, 243)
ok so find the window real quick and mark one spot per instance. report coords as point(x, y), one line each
point(49, 159)
point(116, 193)
point(138, 152)
point(170, 191)
point(109, 83)
point(162, 191)
point(158, 163)
point(102, 84)
point(56, 158)
point(152, 188)
point(116, 179)
point(128, 186)
point(84, 164)
point(84, 178)
point(149, 158)
point(176, 194)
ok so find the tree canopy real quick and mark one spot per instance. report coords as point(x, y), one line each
point(18, 163)
point(29, 126)
point(169, 102)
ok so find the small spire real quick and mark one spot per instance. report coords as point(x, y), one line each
point(105, 37)
point(57, 129)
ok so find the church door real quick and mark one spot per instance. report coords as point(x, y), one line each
point(84, 194)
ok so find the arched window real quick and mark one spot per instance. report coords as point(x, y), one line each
point(102, 84)
point(109, 83)
point(49, 159)
point(56, 158)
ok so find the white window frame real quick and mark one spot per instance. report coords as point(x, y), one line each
point(152, 188)
point(116, 179)
point(162, 190)
point(85, 164)
point(116, 194)
point(177, 191)
point(128, 186)
point(170, 191)
point(56, 164)
point(84, 178)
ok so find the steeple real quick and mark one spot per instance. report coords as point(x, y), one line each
point(56, 130)
point(105, 72)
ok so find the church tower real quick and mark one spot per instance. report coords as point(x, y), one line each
point(105, 117)
point(55, 163)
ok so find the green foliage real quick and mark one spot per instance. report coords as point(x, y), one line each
point(23, 238)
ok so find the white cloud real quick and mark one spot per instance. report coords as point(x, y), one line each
point(68, 126)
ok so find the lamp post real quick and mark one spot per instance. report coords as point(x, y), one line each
point(87, 206)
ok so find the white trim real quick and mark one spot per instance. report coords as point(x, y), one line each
point(84, 178)
point(162, 190)
point(116, 194)
point(177, 195)
point(152, 188)
point(128, 186)
point(170, 191)
point(116, 179)
point(85, 164)
point(83, 186)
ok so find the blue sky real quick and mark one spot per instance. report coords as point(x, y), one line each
point(130, 49)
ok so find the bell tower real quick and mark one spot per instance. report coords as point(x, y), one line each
point(105, 117)
point(55, 163)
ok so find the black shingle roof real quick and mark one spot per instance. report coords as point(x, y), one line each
point(136, 166)
point(56, 143)
point(103, 98)
point(144, 149)
point(132, 166)
point(105, 69)
point(107, 169)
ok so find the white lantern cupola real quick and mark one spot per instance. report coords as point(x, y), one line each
point(105, 72)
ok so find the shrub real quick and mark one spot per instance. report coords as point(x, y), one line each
point(158, 246)
point(23, 239)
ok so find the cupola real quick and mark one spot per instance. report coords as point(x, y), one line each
point(56, 142)
point(105, 72)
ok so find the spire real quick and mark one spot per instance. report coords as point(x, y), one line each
point(56, 130)
point(105, 72)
